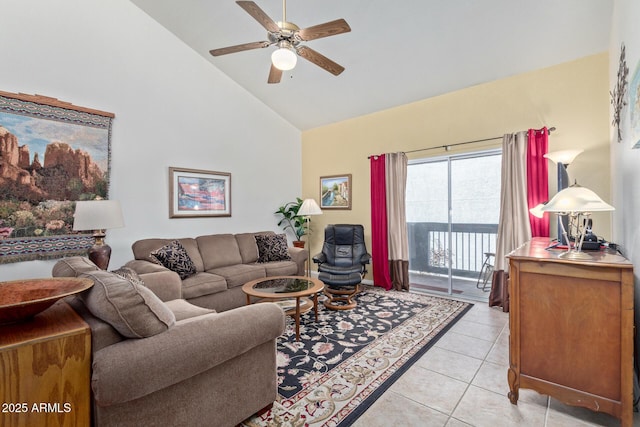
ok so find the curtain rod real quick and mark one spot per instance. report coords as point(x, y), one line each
point(448, 146)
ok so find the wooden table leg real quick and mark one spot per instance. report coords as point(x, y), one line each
point(297, 317)
point(315, 305)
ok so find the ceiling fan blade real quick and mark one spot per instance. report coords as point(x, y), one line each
point(327, 29)
point(320, 60)
point(239, 48)
point(275, 75)
point(258, 14)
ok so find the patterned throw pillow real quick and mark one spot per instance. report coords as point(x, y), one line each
point(130, 274)
point(272, 247)
point(175, 257)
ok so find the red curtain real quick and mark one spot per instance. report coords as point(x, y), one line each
point(537, 179)
point(379, 242)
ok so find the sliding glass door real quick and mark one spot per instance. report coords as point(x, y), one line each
point(453, 207)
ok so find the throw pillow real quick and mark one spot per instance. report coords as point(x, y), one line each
point(272, 247)
point(133, 310)
point(175, 257)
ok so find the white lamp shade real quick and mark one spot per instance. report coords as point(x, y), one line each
point(97, 215)
point(284, 59)
point(309, 207)
point(576, 199)
point(537, 210)
point(563, 156)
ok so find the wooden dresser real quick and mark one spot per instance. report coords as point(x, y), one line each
point(571, 328)
point(45, 370)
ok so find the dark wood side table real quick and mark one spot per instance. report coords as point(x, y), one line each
point(45, 366)
point(571, 328)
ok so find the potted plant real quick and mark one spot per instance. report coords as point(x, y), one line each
point(291, 220)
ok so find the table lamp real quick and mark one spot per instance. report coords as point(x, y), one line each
point(572, 202)
point(98, 215)
point(309, 207)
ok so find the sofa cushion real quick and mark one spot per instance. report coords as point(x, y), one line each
point(184, 310)
point(272, 248)
point(142, 249)
point(239, 274)
point(73, 267)
point(131, 309)
point(280, 268)
point(175, 257)
point(219, 250)
point(202, 284)
point(248, 247)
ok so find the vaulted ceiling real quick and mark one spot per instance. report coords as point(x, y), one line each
point(397, 51)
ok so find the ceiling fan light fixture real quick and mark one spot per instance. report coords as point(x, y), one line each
point(284, 58)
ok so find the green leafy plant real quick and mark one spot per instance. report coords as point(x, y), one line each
point(290, 218)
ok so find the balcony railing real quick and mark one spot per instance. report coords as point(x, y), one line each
point(429, 250)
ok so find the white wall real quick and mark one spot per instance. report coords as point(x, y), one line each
point(172, 107)
point(625, 161)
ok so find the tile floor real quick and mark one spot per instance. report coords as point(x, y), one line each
point(462, 381)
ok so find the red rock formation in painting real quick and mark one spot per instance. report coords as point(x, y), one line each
point(75, 163)
point(9, 151)
point(65, 170)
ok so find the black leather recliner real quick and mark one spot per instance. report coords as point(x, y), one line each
point(342, 264)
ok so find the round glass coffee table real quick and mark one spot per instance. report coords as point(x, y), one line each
point(289, 292)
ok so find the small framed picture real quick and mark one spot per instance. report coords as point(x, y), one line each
point(335, 192)
point(199, 193)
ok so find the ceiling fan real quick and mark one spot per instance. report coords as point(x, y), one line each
point(288, 37)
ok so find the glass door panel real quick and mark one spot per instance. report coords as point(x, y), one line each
point(453, 206)
point(475, 211)
point(427, 201)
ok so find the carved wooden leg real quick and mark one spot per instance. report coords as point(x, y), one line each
point(514, 385)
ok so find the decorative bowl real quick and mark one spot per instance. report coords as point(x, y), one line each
point(20, 300)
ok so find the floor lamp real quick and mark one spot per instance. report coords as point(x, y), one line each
point(309, 207)
point(563, 158)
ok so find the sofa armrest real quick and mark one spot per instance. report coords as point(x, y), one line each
point(134, 368)
point(299, 256)
point(142, 266)
point(166, 284)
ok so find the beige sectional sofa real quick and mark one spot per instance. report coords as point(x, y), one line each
point(162, 362)
point(223, 263)
point(158, 359)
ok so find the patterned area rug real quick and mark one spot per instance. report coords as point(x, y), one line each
point(346, 360)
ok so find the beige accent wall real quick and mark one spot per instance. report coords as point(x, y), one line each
point(572, 96)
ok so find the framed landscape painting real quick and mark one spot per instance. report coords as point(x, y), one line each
point(199, 193)
point(52, 154)
point(335, 192)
